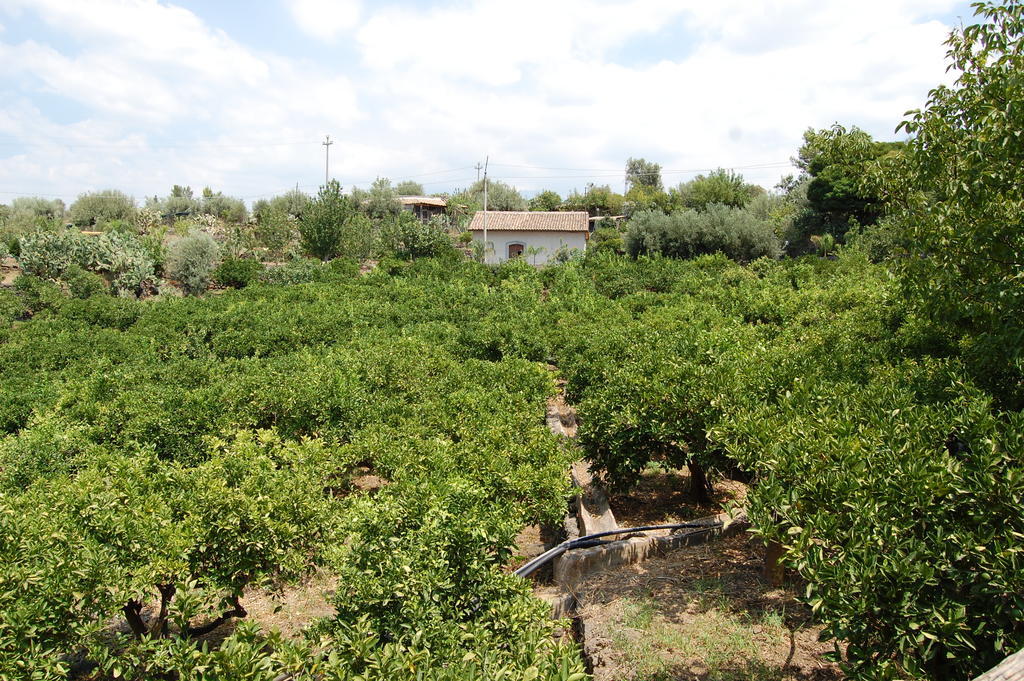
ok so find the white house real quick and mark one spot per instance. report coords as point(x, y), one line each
point(532, 235)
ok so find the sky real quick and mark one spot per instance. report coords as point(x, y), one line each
point(139, 95)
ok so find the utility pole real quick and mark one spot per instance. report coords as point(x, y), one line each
point(327, 158)
point(478, 167)
point(486, 161)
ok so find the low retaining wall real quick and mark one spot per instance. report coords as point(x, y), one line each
point(575, 566)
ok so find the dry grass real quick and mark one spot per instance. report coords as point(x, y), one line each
point(701, 613)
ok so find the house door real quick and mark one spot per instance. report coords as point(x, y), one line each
point(515, 250)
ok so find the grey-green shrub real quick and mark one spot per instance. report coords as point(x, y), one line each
point(121, 254)
point(734, 232)
point(98, 208)
point(191, 261)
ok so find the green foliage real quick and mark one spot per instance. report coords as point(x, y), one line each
point(291, 203)
point(191, 261)
point(718, 229)
point(83, 284)
point(101, 207)
point(596, 200)
point(238, 272)
point(405, 236)
point(179, 203)
point(643, 173)
point(409, 188)
point(719, 187)
point(322, 227)
point(606, 239)
point(276, 229)
point(840, 193)
point(381, 201)
point(225, 208)
point(546, 201)
point(500, 196)
point(124, 257)
point(959, 180)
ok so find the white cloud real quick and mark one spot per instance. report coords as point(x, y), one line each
point(325, 19)
point(531, 83)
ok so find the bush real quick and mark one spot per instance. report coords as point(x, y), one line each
point(11, 307)
point(275, 230)
point(191, 260)
point(98, 208)
point(322, 226)
point(82, 284)
point(237, 272)
point(38, 295)
point(301, 271)
point(720, 229)
point(225, 208)
point(406, 236)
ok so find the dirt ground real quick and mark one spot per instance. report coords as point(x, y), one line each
point(9, 271)
point(663, 496)
point(701, 613)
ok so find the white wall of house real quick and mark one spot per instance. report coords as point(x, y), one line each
point(550, 242)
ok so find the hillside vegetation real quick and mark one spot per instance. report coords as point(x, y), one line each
point(163, 454)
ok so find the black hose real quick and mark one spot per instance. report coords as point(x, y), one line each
point(589, 540)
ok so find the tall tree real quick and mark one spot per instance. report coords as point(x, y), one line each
point(838, 160)
point(409, 188)
point(643, 173)
point(958, 187)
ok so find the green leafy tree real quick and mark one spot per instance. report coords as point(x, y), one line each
point(546, 201)
point(962, 209)
point(381, 200)
point(322, 226)
point(98, 208)
point(839, 195)
point(722, 186)
point(409, 188)
point(643, 173)
point(719, 229)
point(500, 196)
point(226, 208)
point(596, 200)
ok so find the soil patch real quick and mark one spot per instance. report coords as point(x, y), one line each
point(701, 613)
point(294, 607)
point(663, 496)
point(9, 271)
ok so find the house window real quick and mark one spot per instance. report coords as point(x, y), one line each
point(515, 251)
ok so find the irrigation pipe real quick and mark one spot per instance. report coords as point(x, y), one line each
point(589, 540)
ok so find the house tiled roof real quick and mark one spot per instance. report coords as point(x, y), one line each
point(530, 221)
point(438, 201)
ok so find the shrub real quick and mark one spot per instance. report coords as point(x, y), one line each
point(322, 226)
point(225, 208)
point(720, 229)
point(11, 307)
point(301, 271)
point(275, 230)
point(97, 208)
point(38, 295)
point(191, 260)
point(82, 284)
point(237, 272)
point(407, 237)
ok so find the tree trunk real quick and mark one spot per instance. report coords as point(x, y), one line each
point(133, 613)
point(159, 627)
point(237, 611)
point(699, 485)
point(774, 571)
